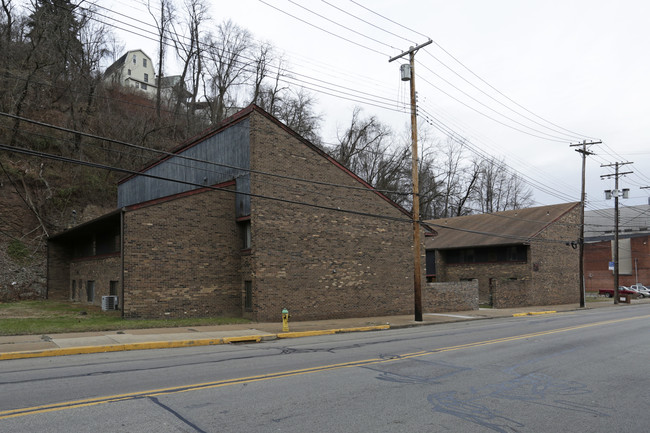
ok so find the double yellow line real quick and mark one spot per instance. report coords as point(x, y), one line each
point(251, 379)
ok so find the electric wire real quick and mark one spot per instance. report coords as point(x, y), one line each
point(341, 25)
point(188, 158)
point(59, 158)
point(323, 30)
point(367, 22)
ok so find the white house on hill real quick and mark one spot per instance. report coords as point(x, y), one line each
point(133, 69)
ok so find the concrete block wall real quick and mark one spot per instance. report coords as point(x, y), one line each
point(321, 263)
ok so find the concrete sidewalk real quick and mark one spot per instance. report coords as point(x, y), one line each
point(33, 346)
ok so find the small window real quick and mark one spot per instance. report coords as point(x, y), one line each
point(248, 295)
point(134, 59)
point(128, 72)
point(112, 290)
point(146, 78)
point(144, 62)
point(90, 291)
point(246, 238)
point(431, 262)
point(143, 86)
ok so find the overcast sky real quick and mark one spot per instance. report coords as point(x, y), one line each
point(526, 79)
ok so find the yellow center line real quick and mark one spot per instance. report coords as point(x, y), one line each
point(251, 379)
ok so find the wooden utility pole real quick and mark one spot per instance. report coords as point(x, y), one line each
point(417, 255)
point(616, 194)
point(583, 198)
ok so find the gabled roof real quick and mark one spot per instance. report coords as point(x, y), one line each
point(500, 228)
point(117, 65)
point(120, 62)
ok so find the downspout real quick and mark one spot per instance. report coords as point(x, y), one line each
point(122, 258)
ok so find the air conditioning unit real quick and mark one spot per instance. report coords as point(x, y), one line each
point(109, 303)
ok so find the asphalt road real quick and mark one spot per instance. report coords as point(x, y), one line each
point(584, 371)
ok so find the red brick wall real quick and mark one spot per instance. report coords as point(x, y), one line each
point(182, 257)
point(321, 263)
point(596, 264)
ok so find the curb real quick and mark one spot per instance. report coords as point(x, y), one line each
point(533, 313)
point(81, 350)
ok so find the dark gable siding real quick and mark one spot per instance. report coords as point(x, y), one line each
point(229, 147)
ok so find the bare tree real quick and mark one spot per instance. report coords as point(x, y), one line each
point(227, 67)
point(187, 39)
point(262, 60)
point(269, 97)
point(366, 146)
point(162, 18)
point(297, 112)
point(498, 189)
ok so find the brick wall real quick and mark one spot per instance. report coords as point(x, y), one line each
point(549, 277)
point(484, 273)
point(58, 272)
point(101, 270)
point(322, 263)
point(182, 257)
point(556, 266)
point(599, 254)
point(510, 293)
point(450, 296)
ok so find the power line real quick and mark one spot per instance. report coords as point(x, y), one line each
point(188, 158)
point(322, 29)
point(261, 196)
point(215, 188)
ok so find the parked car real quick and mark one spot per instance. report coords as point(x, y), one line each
point(642, 290)
point(622, 290)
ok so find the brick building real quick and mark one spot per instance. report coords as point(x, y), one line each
point(271, 222)
point(633, 249)
point(520, 257)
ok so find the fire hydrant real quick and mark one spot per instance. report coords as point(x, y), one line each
point(285, 320)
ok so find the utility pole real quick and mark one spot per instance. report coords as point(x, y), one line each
point(583, 198)
point(417, 256)
point(615, 193)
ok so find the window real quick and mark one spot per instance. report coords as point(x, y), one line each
point(144, 62)
point(128, 72)
point(143, 86)
point(90, 291)
point(431, 262)
point(146, 78)
point(248, 295)
point(245, 231)
point(504, 254)
point(134, 59)
point(113, 288)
